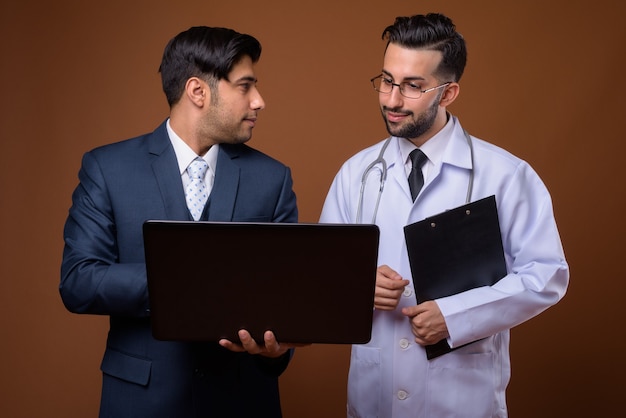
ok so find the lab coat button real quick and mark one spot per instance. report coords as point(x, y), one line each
point(404, 343)
point(402, 395)
point(407, 291)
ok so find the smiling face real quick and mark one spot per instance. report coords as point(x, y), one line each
point(234, 106)
point(415, 119)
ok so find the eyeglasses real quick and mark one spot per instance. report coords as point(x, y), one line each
point(408, 89)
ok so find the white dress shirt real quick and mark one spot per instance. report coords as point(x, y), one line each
point(185, 155)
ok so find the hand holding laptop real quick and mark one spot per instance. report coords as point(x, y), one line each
point(269, 348)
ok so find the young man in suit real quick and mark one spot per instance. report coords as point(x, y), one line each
point(210, 84)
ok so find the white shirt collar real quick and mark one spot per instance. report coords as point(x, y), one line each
point(185, 155)
point(433, 148)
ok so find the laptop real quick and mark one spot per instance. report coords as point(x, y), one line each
point(308, 283)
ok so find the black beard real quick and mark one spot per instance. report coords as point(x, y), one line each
point(417, 127)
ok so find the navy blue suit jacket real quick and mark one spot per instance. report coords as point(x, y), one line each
point(103, 272)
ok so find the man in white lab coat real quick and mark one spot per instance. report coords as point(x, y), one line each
point(390, 376)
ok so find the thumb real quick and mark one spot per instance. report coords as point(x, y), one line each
point(410, 311)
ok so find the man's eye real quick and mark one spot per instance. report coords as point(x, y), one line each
point(412, 86)
point(387, 81)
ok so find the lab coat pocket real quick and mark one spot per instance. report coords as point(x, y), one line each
point(364, 386)
point(462, 381)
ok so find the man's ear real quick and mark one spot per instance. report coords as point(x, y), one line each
point(450, 94)
point(197, 91)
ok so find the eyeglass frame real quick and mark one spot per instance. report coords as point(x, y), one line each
point(382, 76)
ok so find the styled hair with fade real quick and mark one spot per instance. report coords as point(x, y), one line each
point(432, 31)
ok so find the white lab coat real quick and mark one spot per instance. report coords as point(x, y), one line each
point(390, 376)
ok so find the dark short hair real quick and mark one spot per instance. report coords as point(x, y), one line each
point(433, 31)
point(204, 52)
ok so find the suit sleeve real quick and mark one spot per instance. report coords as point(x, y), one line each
point(93, 280)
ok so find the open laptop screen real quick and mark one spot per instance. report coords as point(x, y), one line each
point(308, 283)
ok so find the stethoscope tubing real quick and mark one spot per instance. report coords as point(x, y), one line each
point(383, 178)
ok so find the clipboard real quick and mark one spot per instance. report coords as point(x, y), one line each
point(455, 251)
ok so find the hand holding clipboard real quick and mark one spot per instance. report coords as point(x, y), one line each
point(455, 251)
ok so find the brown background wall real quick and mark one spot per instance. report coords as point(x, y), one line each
point(544, 80)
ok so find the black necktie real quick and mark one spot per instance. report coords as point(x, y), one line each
point(416, 179)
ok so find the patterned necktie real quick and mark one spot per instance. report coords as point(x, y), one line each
point(416, 178)
point(196, 191)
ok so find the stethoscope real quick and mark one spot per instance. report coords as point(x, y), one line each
point(383, 177)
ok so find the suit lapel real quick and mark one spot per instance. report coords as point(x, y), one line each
point(224, 192)
point(165, 168)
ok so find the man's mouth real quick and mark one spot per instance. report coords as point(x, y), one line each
point(395, 116)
